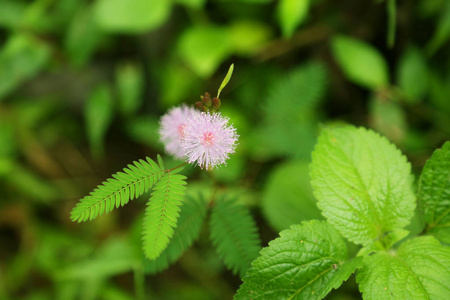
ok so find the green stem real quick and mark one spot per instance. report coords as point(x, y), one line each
point(392, 12)
point(215, 184)
point(177, 167)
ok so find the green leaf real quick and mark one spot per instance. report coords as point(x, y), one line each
point(299, 91)
point(203, 49)
point(360, 62)
point(234, 235)
point(391, 8)
point(8, 141)
point(162, 213)
point(98, 114)
point(225, 80)
point(11, 13)
point(291, 13)
point(135, 180)
point(305, 262)
point(192, 216)
point(175, 73)
point(235, 165)
point(441, 233)
point(442, 32)
point(290, 120)
point(412, 75)
point(83, 36)
point(362, 182)
point(192, 3)
point(434, 189)
point(287, 197)
point(248, 1)
point(388, 118)
point(29, 183)
point(21, 58)
point(115, 257)
point(248, 37)
point(131, 16)
point(161, 162)
point(143, 129)
point(420, 269)
point(130, 85)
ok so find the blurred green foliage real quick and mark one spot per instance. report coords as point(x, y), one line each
point(83, 84)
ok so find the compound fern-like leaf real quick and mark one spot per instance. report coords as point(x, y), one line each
point(234, 234)
point(138, 178)
point(192, 216)
point(162, 213)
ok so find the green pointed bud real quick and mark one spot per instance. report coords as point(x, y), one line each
point(206, 99)
point(215, 103)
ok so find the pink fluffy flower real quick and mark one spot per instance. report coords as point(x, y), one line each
point(208, 140)
point(172, 129)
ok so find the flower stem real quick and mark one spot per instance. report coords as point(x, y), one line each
point(177, 167)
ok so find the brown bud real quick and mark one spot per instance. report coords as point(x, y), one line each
point(215, 103)
point(199, 105)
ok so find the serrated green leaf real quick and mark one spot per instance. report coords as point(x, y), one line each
point(434, 189)
point(287, 198)
point(98, 115)
point(305, 262)
point(360, 62)
point(420, 269)
point(119, 190)
point(291, 13)
point(412, 75)
point(362, 182)
point(343, 273)
point(131, 16)
point(162, 213)
point(192, 216)
point(234, 235)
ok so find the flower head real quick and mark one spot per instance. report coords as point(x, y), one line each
point(173, 126)
point(208, 139)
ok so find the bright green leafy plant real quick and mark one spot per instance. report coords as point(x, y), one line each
point(364, 188)
point(201, 137)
